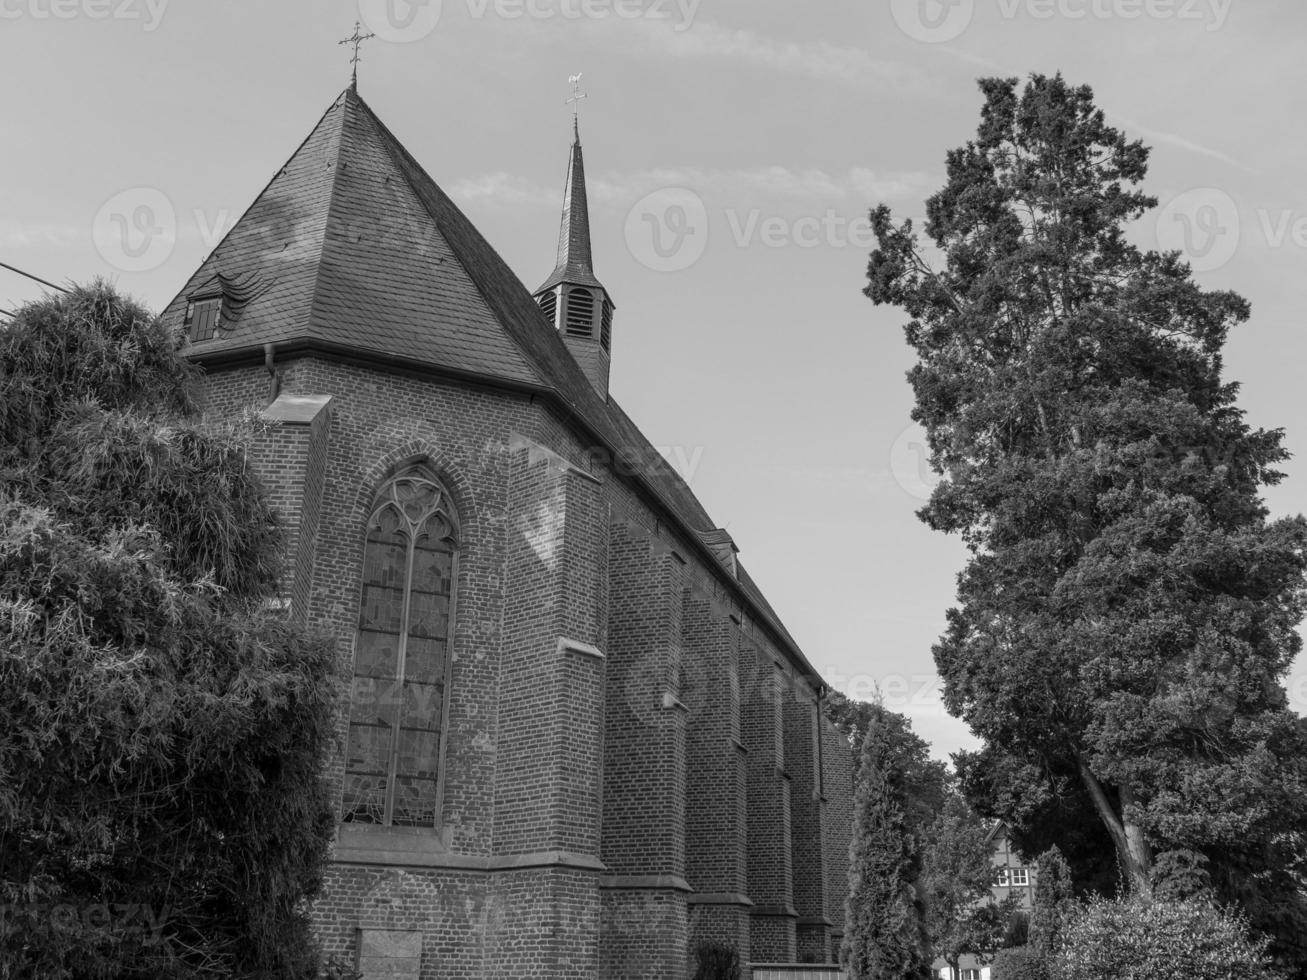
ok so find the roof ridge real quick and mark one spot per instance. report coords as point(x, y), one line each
point(508, 317)
point(343, 101)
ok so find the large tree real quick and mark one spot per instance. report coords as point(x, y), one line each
point(957, 879)
point(897, 793)
point(162, 806)
point(1127, 615)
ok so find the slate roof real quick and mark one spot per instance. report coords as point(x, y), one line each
point(353, 248)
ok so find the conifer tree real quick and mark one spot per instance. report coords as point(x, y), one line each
point(899, 789)
point(1054, 902)
point(1127, 616)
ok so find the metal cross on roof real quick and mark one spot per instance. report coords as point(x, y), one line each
point(357, 39)
point(577, 96)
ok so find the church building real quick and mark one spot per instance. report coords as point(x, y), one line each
point(575, 738)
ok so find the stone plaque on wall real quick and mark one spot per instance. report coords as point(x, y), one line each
point(389, 954)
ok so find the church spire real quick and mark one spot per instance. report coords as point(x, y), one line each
point(575, 259)
point(572, 297)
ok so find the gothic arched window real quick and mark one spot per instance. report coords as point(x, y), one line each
point(401, 655)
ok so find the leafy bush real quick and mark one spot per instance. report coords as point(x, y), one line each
point(1019, 963)
point(162, 808)
point(1137, 940)
point(717, 961)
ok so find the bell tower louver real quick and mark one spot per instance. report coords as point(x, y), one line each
point(575, 302)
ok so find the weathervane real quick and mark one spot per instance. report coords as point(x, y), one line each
point(357, 39)
point(575, 100)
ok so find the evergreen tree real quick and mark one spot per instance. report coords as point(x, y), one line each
point(957, 880)
point(898, 791)
point(1054, 902)
point(1128, 613)
point(162, 806)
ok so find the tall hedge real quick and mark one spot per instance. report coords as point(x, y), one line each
point(162, 808)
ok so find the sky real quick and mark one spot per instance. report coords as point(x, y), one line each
point(733, 149)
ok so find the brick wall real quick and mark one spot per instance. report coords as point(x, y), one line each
point(836, 826)
point(772, 925)
point(802, 757)
point(616, 779)
point(717, 776)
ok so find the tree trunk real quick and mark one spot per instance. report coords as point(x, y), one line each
point(1138, 860)
point(1131, 846)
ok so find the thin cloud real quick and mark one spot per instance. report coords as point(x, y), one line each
point(1182, 143)
point(770, 184)
point(818, 60)
point(505, 189)
point(37, 234)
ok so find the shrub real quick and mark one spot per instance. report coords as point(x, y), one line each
point(1019, 963)
point(1137, 940)
point(717, 961)
point(163, 809)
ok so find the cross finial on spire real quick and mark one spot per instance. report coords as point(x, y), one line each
point(575, 102)
point(357, 39)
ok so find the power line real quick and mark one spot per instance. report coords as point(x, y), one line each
point(43, 282)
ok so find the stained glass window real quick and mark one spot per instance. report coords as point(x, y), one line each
point(401, 655)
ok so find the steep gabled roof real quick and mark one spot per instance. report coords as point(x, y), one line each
point(348, 255)
point(353, 249)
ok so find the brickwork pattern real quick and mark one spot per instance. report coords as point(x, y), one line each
point(772, 938)
point(836, 826)
point(547, 791)
point(625, 743)
point(643, 934)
